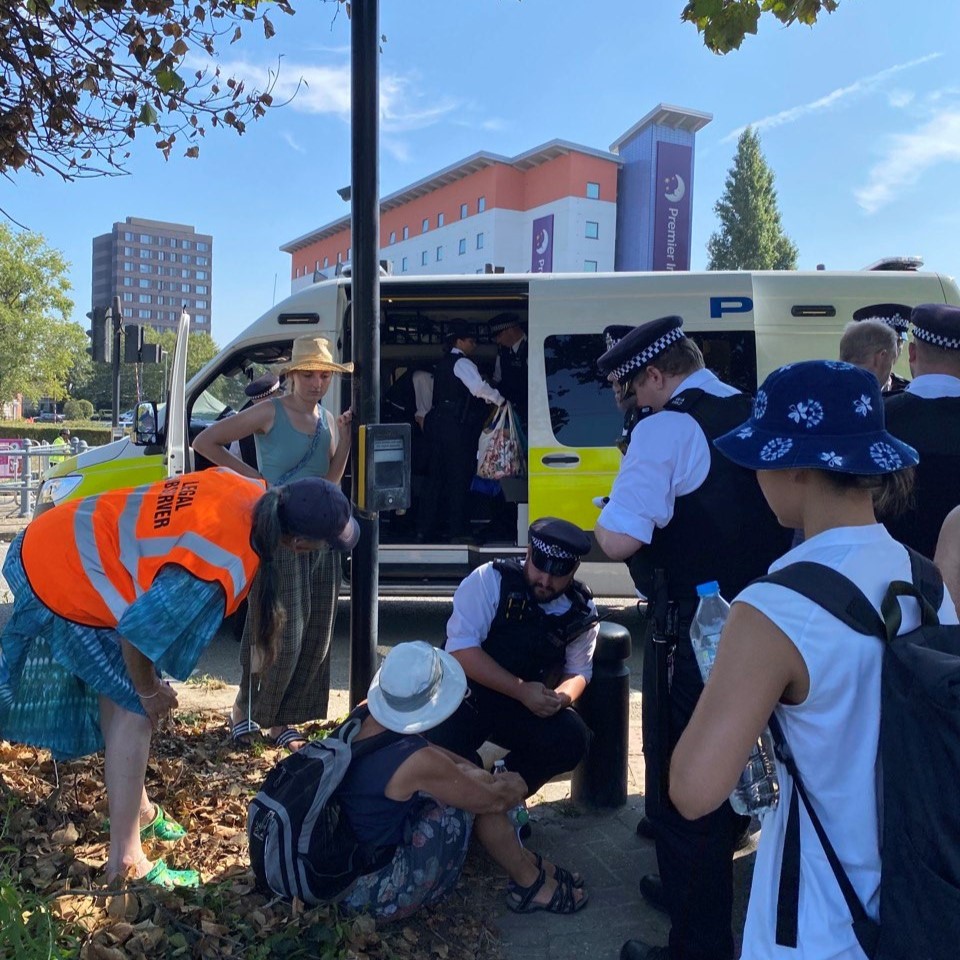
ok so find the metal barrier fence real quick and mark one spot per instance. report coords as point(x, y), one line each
point(23, 464)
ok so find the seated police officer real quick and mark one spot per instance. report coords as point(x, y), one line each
point(525, 635)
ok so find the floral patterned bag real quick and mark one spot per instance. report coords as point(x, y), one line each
point(500, 452)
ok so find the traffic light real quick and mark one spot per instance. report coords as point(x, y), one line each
point(132, 343)
point(100, 334)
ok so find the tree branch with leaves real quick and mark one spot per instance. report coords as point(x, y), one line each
point(82, 78)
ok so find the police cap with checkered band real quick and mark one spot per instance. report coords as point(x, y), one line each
point(640, 347)
point(937, 324)
point(556, 546)
point(894, 315)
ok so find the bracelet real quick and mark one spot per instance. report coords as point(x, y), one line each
point(150, 696)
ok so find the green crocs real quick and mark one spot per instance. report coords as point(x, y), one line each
point(163, 828)
point(160, 828)
point(163, 876)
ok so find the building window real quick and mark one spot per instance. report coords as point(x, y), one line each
point(404, 264)
point(203, 262)
point(186, 258)
point(439, 219)
point(589, 266)
point(173, 258)
point(462, 246)
point(464, 211)
point(146, 268)
point(593, 190)
point(127, 265)
point(349, 253)
point(127, 297)
point(143, 314)
point(203, 247)
point(423, 259)
point(144, 284)
point(479, 241)
point(203, 276)
point(425, 226)
point(439, 254)
point(128, 251)
point(339, 257)
point(481, 204)
point(316, 265)
point(127, 236)
point(185, 287)
point(406, 233)
point(187, 244)
point(592, 231)
point(393, 236)
point(128, 281)
point(146, 238)
point(144, 298)
point(201, 289)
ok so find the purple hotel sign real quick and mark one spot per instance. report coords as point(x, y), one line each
point(541, 245)
point(671, 226)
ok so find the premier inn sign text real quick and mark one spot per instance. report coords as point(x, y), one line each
point(671, 231)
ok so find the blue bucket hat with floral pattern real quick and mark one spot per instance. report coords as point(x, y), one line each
point(818, 414)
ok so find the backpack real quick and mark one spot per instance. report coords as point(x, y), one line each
point(301, 843)
point(919, 753)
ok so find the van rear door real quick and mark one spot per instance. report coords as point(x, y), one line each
point(176, 452)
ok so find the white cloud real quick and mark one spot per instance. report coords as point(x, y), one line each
point(898, 99)
point(325, 90)
point(856, 89)
point(291, 142)
point(908, 157)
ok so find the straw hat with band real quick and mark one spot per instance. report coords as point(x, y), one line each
point(416, 688)
point(313, 353)
point(819, 415)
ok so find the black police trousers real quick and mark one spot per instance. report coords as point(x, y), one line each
point(540, 747)
point(452, 463)
point(695, 857)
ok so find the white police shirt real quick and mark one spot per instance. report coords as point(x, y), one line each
point(933, 386)
point(833, 736)
point(475, 605)
point(668, 457)
point(465, 370)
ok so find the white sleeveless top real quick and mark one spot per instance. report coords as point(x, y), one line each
point(834, 737)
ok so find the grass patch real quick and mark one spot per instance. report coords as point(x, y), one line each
point(205, 681)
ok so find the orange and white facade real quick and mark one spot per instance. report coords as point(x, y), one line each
point(550, 209)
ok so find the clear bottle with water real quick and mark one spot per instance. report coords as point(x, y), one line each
point(758, 790)
point(517, 815)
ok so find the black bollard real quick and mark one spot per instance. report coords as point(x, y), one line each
point(600, 779)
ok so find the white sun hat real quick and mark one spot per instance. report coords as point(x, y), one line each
point(416, 688)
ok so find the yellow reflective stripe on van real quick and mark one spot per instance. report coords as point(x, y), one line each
point(567, 492)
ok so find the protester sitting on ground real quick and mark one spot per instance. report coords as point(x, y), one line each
point(426, 800)
point(525, 635)
point(947, 557)
point(821, 463)
point(152, 571)
point(870, 345)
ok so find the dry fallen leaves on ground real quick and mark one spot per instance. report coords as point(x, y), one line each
point(54, 846)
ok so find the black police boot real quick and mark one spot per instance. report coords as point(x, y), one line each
point(638, 950)
point(646, 829)
point(651, 888)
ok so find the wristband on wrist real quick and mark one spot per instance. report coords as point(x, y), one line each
point(150, 696)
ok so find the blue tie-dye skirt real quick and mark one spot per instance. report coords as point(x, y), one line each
point(53, 670)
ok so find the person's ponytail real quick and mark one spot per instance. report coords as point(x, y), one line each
point(266, 612)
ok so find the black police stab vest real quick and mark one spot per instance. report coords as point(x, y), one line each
point(723, 530)
point(513, 376)
point(932, 428)
point(523, 639)
point(451, 398)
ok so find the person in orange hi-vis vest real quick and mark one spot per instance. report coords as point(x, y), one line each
point(112, 591)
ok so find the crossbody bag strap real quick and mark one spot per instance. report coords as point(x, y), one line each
point(311, 449)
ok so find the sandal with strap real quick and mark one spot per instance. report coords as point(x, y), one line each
point(287, 737)
point(564, 900)
point(576, 881)
point(161, 827)
point(163, 876)
point(242, 731)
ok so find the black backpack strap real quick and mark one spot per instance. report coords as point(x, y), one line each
point(843, 599)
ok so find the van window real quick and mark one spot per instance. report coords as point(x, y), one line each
point(582, 411)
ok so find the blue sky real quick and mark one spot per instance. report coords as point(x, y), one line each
point(859, 118)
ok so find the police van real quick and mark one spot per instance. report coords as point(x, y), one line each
point(746, 323)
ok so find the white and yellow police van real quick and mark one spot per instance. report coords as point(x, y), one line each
point(746, 323)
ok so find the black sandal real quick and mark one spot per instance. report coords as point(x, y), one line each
point(576, 881)
point(564, 900)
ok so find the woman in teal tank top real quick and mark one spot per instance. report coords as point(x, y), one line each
point(295, 437)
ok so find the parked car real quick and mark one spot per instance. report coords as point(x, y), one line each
point(49, 416)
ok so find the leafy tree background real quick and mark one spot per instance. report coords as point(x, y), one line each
point(751, 236)
point(42, 352)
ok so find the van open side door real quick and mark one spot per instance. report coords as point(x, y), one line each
point(176, 452)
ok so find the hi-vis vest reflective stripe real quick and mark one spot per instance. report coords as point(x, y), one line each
point(88, 560)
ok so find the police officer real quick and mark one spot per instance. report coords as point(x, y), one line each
point(510, 370)
point(680, 516)
point(897, 317)
point(927, 416)
point(452, 429)
point(626, 402)
point(524, 634)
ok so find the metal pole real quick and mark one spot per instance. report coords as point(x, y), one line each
point(365, 320)
point(116, 328)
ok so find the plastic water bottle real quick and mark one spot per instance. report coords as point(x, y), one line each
point(707, 625)
point(757, 791)
point(517, 815)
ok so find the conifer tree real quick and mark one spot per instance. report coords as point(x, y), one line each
point(751, 236)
